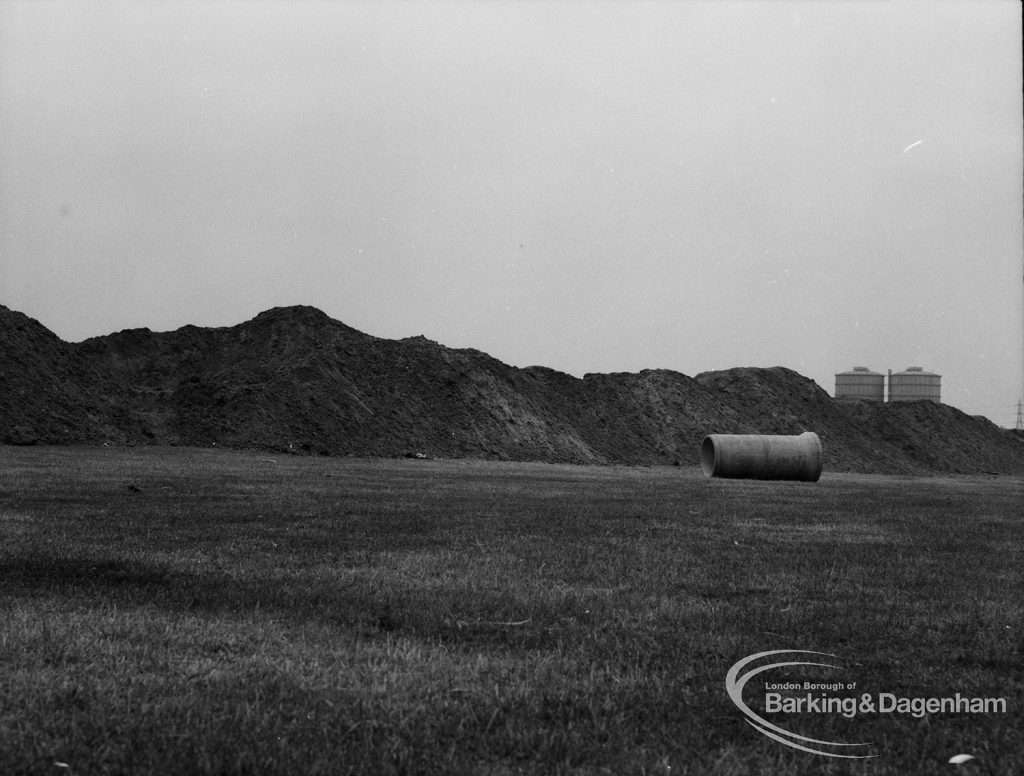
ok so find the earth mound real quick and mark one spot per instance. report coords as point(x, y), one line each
point(49, 392)
point(293, 379)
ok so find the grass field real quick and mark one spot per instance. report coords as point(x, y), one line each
point(179, 611)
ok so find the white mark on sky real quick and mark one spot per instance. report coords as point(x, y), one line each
point(912, 145)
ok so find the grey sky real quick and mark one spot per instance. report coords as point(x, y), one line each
point(591, 186)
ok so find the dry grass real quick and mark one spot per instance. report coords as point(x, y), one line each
point(189, 611)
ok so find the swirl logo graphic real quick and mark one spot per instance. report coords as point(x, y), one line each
point(736, 679)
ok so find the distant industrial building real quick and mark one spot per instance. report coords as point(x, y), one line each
point(860, 383)
point(912, 384)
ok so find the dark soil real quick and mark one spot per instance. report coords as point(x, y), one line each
point(293, 379)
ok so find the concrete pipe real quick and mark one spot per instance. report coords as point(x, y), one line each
point(762, 456)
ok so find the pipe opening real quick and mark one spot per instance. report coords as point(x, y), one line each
point(707, 456)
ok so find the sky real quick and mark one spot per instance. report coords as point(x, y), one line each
point(588, 185)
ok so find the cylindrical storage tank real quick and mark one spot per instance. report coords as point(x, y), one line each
point(860, 383)
point(914, 384)
point(762, 456)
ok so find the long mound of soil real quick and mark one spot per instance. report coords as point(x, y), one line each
point(293, 379)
